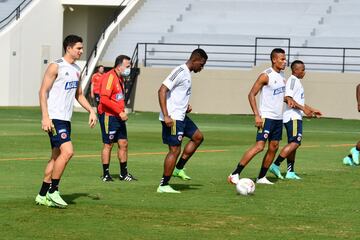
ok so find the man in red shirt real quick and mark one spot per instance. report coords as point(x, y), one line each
point(112, 117)
point(95, 84)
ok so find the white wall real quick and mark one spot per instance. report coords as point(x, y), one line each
point(24, 46)
point(225, 91)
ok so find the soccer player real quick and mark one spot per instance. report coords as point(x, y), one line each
point(112, 117)
point(174, 95)
point(293, 120)
point(95, 84)
point(60, 86)
point(268, 117)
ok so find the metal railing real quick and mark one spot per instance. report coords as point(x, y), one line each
point(14, 14)
point(332, 59)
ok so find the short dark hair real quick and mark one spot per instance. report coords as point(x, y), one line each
point(119, 60)
point(276, 51)
point(199, 53)
point(71, 40)
point(296, 62)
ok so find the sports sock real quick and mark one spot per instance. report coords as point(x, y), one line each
point(279, 160)
point(263, 172)
point(54, 185)
point(44, 188)
point(106, 170)
point(181, 163)
point(165, 180)
point(238, 169)
point(290, 166)
point(123, 168)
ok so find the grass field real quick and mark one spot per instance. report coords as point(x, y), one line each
point(325, 204)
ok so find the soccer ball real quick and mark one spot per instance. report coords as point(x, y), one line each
point(245, 186)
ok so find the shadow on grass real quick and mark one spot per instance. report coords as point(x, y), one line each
point(185, 187)
point(69, 198)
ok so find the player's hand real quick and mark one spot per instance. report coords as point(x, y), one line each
point(46, 124)
point(123, 116)
point(290, 103)
point(316, 113)
point(92, 119)
point(168, 121)
point(258, 121)
point(189, 109)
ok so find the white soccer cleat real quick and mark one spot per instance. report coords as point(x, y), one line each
point(263, 180)
point(233, 179)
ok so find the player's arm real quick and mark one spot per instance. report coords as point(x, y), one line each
point(296, 105)
point(162, 101)
point(261, 81)
point(86, 105)
point(48, 80)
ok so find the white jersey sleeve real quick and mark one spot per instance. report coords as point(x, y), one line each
point(174, 77)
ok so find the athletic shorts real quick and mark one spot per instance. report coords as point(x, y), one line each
point(294, 131)
point(60, 133)
point(112, 128)
point(271, 130)
point(173, 136)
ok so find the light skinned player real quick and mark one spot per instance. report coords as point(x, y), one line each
point(268, 116)
point(60, 87)
point(174, 95)
point(293, 120)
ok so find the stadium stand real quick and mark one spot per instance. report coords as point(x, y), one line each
point(307, 23)
point(7, 6)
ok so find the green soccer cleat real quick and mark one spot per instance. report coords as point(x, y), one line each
point(56, 199)
point(355, 155)
point(166, 189)
point(42, 200)
point(274, 169)
point(292, 175)
point(348, 161)
point(180, 173)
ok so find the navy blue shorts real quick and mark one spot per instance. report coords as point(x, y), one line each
point(112, 128)
point(294, 131)
point(173, 136)
point(60, 133)
point(271, 130)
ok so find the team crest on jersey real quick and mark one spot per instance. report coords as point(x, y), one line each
point(71, 85)
point(119, 96)
point(63, 135)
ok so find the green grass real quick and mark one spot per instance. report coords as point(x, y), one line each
point(323, 205)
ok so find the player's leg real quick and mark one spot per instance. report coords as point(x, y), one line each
point(273, 146)
point(41, 197)
point(261, 138)
point(66, 152)
point(172, 136)
point(196, 138)
point(274, 134)
point(233, 178)
point(107, 135)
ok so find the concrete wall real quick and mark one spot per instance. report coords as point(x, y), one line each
point(88, 22)
point(24, 46)
point(225, 91)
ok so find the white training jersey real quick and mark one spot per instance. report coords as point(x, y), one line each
point(272, 96)
point(178, 96)
point(62, 93)
point(295, 90)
